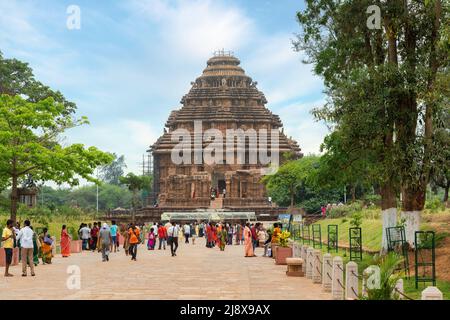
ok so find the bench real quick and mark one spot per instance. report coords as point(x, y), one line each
point(294, 267)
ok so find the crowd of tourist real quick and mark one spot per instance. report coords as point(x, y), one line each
point(32, 246)
point(105, 238)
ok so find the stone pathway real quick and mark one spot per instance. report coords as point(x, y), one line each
point(196, 273)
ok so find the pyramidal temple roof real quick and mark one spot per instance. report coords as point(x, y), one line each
point(223, 93)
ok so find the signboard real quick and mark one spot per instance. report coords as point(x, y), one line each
point(284, 218)
point(297, 218)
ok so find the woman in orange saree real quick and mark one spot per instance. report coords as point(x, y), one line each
point(65, 242)
point(248, 246)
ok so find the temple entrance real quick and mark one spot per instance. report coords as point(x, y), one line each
point(218, 181)
point(222, 185)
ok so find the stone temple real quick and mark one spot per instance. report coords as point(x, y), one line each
point(223, 98)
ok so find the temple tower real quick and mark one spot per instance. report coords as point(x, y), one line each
point(222, 100)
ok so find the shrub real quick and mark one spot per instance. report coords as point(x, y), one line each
point(356, 220)
point(388, 265)
point(434, 204)
point(340, 211)
point(372, 199)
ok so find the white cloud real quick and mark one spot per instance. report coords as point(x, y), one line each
point(277, 67)
point(128, 137)
point(301, 125)
point(193, 29)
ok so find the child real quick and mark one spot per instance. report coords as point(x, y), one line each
point(151, 240)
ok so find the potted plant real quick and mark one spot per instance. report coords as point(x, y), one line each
point(283, 250)
point(75, 243)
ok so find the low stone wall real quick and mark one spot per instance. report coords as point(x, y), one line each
point(343, 280)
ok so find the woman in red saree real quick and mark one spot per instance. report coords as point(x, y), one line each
point(214, 235)
point(248, 246)
point(65, 242)
point(218, 232)
point(208, 235)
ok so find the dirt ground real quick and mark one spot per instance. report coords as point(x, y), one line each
point(440, 223)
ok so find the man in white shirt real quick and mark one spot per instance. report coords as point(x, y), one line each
point(172, 234)
point(25, 236)
point(85, 235)
point(187, 233)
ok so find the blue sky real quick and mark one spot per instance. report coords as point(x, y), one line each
point(132, 61)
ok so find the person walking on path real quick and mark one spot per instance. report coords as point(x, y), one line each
point(8, 239)
point(193, 233)
point(85, 235)
point(223, 234)
point(25, 237)
point(94, 237)
point(254, 230)
point(105, 241)
point(65, 242)
point(126, 240)
point(238, 233)
point(46, 247)
point(133, 233)
point(151, 240)
point(113, 231)
point(173, 238)
point(248, 241)
point(36, 246)
point(162, 235)
point(187, 233)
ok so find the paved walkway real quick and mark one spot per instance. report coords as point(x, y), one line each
point(196, 273)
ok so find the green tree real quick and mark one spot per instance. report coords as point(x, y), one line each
point(291, 177)
point(112, 172)
point(383, 90)
point(17, 78)
point(135, 184)
point(440, 175)
point(29, 133)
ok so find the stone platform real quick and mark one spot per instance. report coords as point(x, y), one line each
point(196, 273)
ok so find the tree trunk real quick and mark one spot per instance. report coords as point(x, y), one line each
point(412, 207)
point(292, 198)
point(353, 191)
point(388, 212)
point(14, 198)
point(446, 194)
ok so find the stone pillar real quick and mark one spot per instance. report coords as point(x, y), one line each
point(309, 262)
point(327, 271)
point(398, 288)
point(432, 293)
point(351, 281)
point(364, 283)
point(337, 289)
point(303, 255)
point(317, 266)
point(296, 250)
point(54, 246)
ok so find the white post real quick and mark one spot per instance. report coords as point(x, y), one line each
point(303, 256)
point(296, 250)
point(53, 245)
point(317, 266)
point(309, 263)
point(398, 289)
point(351, 281)
point(432, 293)
point(327, 271)
point(337, 289)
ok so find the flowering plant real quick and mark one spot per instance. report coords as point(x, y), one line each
point(284, 237)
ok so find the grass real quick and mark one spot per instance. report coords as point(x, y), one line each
point(54, 223)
